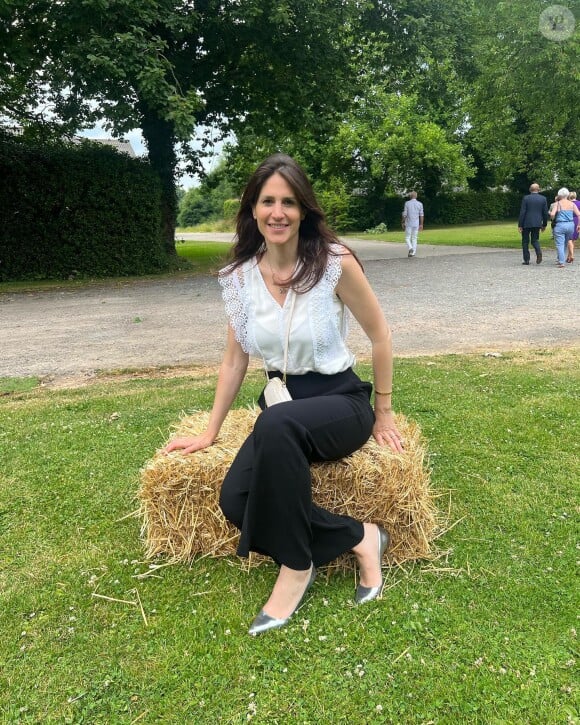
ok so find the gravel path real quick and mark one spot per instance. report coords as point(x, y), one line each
point(446, 300)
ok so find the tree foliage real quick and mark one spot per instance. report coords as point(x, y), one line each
point(206, 202)
point(167, 66)
point(385, 146)
point(522, 111)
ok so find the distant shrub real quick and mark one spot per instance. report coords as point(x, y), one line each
point(379, 229)
point(230, 209)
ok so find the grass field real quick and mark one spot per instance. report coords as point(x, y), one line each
point(487, 633)
point(491, 234)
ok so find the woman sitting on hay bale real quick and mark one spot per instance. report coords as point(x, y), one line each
point(285, 294)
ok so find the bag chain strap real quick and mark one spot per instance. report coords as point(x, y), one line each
point(287, 339)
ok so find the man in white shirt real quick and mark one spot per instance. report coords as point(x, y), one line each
point(412, 222)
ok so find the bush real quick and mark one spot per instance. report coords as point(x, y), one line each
point(230, 210)
point(77, 211)
point(336, 204)
point(364, 211)
point(379, 229)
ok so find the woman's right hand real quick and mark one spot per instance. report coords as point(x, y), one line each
point(189, 444)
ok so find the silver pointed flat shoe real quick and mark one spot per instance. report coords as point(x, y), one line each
point(367, 594)
point(264, 622)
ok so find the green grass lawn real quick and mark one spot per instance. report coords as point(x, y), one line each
point(90, 633)
point(490, 234)
point(206, 257)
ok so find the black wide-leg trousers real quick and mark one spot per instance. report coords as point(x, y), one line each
point(267, 493)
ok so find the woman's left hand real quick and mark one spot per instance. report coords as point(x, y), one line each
point(385, 432)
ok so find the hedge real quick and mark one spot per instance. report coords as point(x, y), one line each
point(69, 211)
point(364, 212)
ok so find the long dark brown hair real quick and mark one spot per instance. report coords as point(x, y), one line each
point(315, 237)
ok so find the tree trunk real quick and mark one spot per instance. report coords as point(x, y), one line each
point(159, 136)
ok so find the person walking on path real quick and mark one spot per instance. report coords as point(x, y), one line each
point(412, 222)
point(533, 218)
point(567, 218)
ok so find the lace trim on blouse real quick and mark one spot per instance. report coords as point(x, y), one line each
point(328, 328)
point(236, 301)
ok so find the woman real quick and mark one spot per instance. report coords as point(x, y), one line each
point(573, 239)
point(566, 216)
point(289, 271)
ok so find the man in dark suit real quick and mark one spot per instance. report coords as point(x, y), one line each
point(533, 217)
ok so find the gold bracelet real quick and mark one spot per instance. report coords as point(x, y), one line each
point(378, 392)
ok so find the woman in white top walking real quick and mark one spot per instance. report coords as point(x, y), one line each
point(290, 272)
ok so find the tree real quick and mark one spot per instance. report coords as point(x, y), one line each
point(523, 119)
point(167, 66)
point(206, 202)
point(387, 147)
point(411, 71)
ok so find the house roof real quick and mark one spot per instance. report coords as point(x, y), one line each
point(120, 145)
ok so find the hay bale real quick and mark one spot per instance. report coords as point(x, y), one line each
point(179, 494)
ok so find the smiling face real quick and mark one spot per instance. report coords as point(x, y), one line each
point(278, 212)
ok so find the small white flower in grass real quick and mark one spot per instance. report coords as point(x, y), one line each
point(348, 673)
point(379, 708)
point(415, 607)
point(533, 672)
point(325, 602)
point(23, 634)
point(321, 637)
point(478, 662)
point(228, 631)
point(305, 624)
point(502, 671)
point(285, 669)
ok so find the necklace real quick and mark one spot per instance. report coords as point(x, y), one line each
point(282, 288)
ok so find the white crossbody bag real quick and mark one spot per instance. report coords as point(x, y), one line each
point(276, 390)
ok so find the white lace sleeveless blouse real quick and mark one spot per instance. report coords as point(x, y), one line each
point(319, 322)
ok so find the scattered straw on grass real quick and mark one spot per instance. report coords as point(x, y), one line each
point(179, 495)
